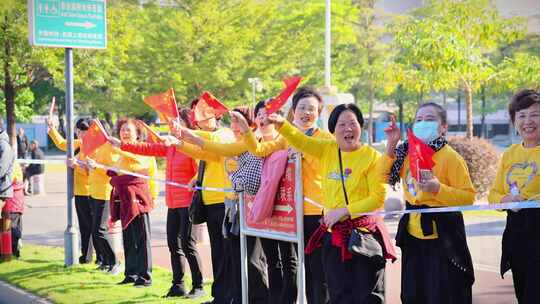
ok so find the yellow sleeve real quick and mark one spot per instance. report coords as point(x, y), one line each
point(152, 172)
point(60, 142)
point(497, 192)
point(307, 144)
point(376, 190)
point(225, 149)
point(461, 190)
point(265, 148)
point(203, 134)
point(385, 164)
point(195, 152)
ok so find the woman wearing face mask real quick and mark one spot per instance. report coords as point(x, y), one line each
point(351, 184)
point(81, 188)
point(132, 199)
point(436, 262)
point(518, 180)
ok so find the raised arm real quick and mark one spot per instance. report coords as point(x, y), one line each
point(148, 149)
point(197, 153)
point(59, 141)
point(307, 144)
point(263, 149)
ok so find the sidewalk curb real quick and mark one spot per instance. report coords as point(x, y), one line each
point(15, 295)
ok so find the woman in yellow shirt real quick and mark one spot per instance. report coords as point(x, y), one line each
point(133, 213)
point(351, 184)
point(436, 263)
point(81, 188)
point(518, 180)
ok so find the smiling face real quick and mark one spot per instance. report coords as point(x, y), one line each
point(128, 133)
point(265, 128)
point(348, 131)
point(527, 124)
point(306, 113)
point(209, 124)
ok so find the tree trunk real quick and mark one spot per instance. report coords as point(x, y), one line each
point(9, 94)
point(444, 98)
point(459, 111)
point(370, 120)
point(468, 100)
point(399, 102)
point(483, 122)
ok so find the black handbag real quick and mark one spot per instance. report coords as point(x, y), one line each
point(361, 243)
point(197, 209)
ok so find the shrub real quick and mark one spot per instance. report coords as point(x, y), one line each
point(481, 158)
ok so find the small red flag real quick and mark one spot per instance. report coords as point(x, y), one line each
point(164, 104)
point(291, 83)
point(151, 135)
point(420, 155)
point(94, 137)
point(207, 107)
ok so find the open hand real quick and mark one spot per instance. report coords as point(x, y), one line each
point(275, 119)
point(393, 135)
point(432, 185)
point(335, 215)
point(240, 120)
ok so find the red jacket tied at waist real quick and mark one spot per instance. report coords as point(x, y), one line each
point(129, 198)
point(341, 232)
point(15, 203)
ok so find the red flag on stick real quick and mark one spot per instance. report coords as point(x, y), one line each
point(164, 104)
point(151, 135)
point(291, 83)
point(207, 107)
point(420, 155)
point(94, 137)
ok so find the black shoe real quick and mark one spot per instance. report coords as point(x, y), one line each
point(127, 280)
point(176, 291)
point(196, 293)
point(83, 260)
point(142, 283)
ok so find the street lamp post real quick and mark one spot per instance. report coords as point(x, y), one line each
point(256, 86)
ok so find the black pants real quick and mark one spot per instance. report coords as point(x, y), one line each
point(275, 269)
point(214, 222)
point(257, 270)
point(358, 280)
point(138, 249)
point(100, 229)
point(85, 218)
point(289, 261)
point(16, 232)
point(316, 287)
point(181, 243)
point(428, 276)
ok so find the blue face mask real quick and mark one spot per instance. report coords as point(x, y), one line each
point(426, 130)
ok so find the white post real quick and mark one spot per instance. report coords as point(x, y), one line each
point(243, 250)
point(299, 199)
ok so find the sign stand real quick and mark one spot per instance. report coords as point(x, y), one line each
point(68, 24)
point(297, 237)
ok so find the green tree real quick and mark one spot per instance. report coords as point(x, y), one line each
point(453, 39)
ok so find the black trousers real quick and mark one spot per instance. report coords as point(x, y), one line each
point(16, 232)
point(289, 261)
point(274, 268)
point(181, 243)
point(215, 214)
point(316, 287)
point(100, 229)
point(428, 277)
point(257, 270)
point(358, 281)
point(138, 249)
point(85, 217)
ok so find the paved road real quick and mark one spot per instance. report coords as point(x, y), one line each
point(45, 221)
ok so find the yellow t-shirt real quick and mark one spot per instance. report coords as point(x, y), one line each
point(17, 172)
point(145, 165)
point(80, 175)
point(311, 176)
point(361, 169)
point(517, 174)
point(100, 187)
point(456, 188)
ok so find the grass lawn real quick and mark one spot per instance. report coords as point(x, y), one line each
point(41, 271)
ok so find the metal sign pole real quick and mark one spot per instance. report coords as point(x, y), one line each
point(70, 235)
point(299, 199)
point(243, 250)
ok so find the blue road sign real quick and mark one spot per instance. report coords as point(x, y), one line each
point(68, 23)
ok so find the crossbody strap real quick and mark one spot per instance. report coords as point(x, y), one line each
point(200, 173)
point(342, 177)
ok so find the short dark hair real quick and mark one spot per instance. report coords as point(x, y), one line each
point(82, 124)
point(138, 128)
point(184, 114)
point(522, 100)
point(260, 105)
point(438, 108)
point(332, 120)
point(305, 92)
point(246, 112)
point(193, 103)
